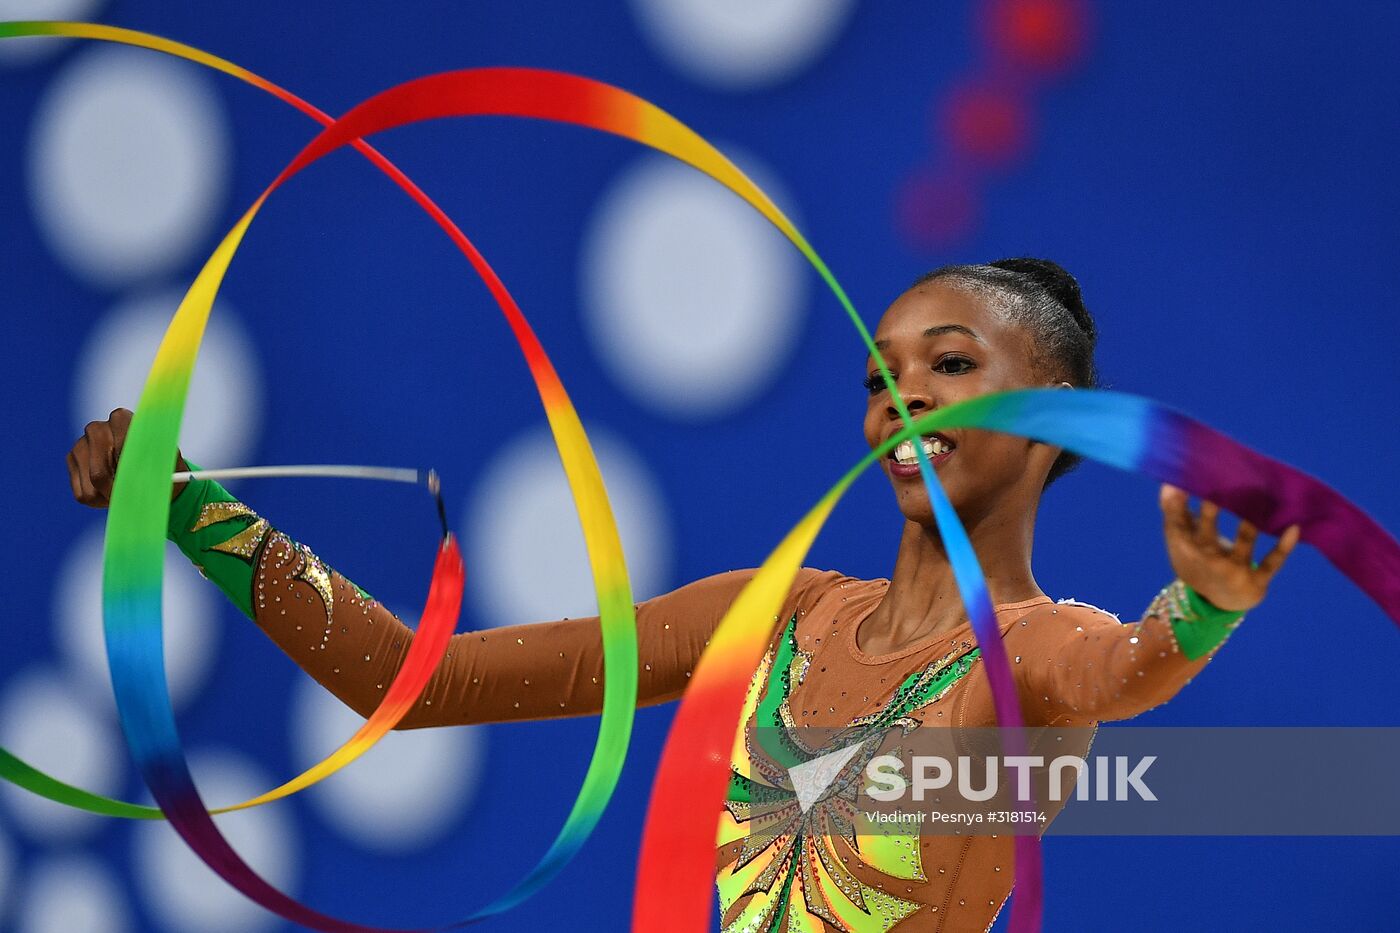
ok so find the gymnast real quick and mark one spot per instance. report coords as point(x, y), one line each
point(847, 654)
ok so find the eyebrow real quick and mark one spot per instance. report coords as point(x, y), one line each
point(938, 330)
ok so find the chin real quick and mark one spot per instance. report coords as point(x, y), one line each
point(914, 504)
point(915, 507)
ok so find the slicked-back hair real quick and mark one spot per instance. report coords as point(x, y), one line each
point(1040, 296)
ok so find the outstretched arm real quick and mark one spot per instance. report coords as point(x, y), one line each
point(350, 644)
point(354, 647)
point(1085, 666)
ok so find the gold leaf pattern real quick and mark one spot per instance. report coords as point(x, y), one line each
point(243, 544)
point(313, 571)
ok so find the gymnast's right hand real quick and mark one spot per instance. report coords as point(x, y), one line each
point(92, 463)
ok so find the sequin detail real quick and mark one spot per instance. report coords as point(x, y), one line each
point(245, 543)
point(792, 856)
point(1195, 633)
point(313, 571)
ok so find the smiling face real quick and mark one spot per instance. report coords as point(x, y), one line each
point(944, 344)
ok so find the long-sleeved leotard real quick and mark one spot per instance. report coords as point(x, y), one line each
point(353, 646)
point(1074, 665)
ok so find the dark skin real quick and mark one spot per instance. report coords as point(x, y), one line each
point(92, 463)
point(942, 345)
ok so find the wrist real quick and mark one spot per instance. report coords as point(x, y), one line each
point(1198, 625)
point(181, 466)
point(1205, 610)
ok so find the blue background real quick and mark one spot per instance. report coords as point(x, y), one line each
point(1220, 177)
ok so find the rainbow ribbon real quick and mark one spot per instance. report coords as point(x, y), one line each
point(564, 98)
point(505, 92)
point(677, 854)
point(132, 615)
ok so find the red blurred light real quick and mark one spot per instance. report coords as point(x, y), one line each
point(1047, 35)
point(988, 125)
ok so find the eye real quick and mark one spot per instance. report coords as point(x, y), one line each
point(954, 365)
point(875, 383)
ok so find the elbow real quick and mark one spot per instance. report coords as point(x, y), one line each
point(1126, 700)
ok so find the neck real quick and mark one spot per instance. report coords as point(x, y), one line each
point(923, 598)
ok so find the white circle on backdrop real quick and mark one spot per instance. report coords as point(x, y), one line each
point(27, 51)
point(51, 724)
point(525, 545)
point(223, 412)
point(433, 773)
point(692, 300)
point(183, 894)
point(741, 45)
point(73, 893)
point(190, 628)
point(128, 164)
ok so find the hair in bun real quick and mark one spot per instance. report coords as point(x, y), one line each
point(1045, 299)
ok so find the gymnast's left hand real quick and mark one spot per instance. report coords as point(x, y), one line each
point(1217, 568)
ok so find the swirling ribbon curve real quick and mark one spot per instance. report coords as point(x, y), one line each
point(604, 549)
point(676, 865)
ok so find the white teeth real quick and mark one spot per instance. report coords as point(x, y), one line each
point(904, 452)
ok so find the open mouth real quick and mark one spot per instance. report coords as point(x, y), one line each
point(904, 459)
point(934, 445)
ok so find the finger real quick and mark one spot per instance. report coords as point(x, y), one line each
point(120, 421)
point(80, 456)
point(1285, 545)
point(1244, 542)
point(73, 477)
point(102, 461)
point(1176, 516)
point(1206, 533)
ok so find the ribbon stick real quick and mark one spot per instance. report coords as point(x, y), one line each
point(320, 470)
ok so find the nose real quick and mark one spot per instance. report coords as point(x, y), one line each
point(917, 399)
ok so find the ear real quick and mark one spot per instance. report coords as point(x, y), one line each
point(1053, 452)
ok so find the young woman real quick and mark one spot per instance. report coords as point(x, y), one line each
point(850, 656)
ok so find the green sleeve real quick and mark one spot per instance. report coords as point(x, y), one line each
point(220, 535)
point(1199, 626)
